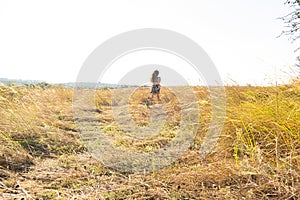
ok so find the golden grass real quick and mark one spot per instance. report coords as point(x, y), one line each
point(257, 156)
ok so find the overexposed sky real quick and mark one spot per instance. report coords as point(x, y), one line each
point(50, 40)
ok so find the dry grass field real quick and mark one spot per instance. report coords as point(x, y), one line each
point(257, 155)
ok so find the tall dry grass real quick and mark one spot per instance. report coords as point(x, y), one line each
point(257, 156)
point(39, 120)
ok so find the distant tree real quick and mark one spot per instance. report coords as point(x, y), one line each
point(43, 85)
point(292, 21)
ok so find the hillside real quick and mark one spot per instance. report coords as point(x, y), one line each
point(42, 155)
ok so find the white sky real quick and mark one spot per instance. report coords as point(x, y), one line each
point(50, 40)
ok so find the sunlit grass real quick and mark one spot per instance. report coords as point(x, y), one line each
point(257, 156)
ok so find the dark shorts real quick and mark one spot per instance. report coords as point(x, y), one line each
point(155, 89)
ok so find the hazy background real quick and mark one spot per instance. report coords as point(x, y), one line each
point(50, 40)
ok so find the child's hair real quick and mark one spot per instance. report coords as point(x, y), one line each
point(154, 76)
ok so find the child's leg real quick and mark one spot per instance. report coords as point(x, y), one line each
point(151, 96)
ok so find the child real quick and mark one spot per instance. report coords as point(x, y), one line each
point(155, 80)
